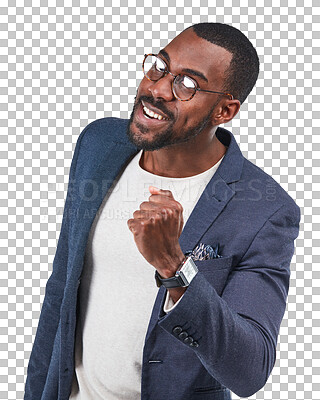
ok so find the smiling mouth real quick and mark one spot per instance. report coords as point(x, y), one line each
point(151, 114)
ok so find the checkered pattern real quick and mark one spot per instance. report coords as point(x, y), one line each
point(63, 66)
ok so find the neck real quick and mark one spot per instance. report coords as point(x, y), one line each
point(184, 159)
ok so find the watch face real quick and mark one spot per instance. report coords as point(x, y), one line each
point(189, 270)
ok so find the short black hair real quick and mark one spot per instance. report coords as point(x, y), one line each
point(243, 71)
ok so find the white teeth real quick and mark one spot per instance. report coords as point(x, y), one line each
point(153, 114)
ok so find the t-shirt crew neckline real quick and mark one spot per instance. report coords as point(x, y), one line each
point(203, 174)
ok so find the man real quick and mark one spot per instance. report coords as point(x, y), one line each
point(219, 246)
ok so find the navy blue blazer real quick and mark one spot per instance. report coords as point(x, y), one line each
point(223, 333)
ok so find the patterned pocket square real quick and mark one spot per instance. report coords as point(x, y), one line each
point(204, 252)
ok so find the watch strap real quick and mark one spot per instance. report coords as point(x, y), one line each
point(183, 276)
point(169, 283)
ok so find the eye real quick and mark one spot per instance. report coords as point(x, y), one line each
point(159, 65)
point(187, 82)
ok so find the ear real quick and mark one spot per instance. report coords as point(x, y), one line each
point(225, 112)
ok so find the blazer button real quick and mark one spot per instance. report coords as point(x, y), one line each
point(183, 335)
point(194, 344)
point(177, 330)
point(188, 340)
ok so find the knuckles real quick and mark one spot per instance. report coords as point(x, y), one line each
point(145, 205)
point(136, 214)
point(180, 208)
point(156, 212)
point(167, 203)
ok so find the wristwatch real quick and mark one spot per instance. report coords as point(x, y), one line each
point(183, 276)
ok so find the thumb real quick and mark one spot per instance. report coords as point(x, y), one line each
point(155, 190)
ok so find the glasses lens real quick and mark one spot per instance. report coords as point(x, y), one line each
point(154, 68)
point(184, 87)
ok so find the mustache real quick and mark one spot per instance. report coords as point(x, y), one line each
point(157, 104)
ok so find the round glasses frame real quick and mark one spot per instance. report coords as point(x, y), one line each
point(166, 72)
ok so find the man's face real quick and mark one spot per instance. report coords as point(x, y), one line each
point(182, 120)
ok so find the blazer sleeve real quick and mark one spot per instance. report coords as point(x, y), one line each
point(50, 312)
point(236, 334)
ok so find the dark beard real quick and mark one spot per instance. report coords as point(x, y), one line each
point(167, 137)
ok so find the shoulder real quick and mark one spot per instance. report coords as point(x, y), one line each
point(100, 135)
point(98, 139)
point(103, 131)
point(263, 190)
point(256, 193)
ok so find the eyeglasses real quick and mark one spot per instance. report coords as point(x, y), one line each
point(183, 86)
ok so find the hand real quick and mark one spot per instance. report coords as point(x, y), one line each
point(156, 227)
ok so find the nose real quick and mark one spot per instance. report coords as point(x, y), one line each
point(163, 88)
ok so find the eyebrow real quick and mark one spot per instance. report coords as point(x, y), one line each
point(186, 70)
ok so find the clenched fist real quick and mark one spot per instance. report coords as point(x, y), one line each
point(156, 227)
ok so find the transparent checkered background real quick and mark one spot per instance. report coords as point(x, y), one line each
point(65, 66)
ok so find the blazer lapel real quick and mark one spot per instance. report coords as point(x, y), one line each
point(213, 200)
point(216, 195)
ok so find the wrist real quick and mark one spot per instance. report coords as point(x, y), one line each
point(169, 266)
point(182, 277)
point(176, 293)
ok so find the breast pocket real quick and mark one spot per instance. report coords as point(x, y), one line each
point(216, 271)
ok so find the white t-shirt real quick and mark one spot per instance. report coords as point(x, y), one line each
point(118, 289)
